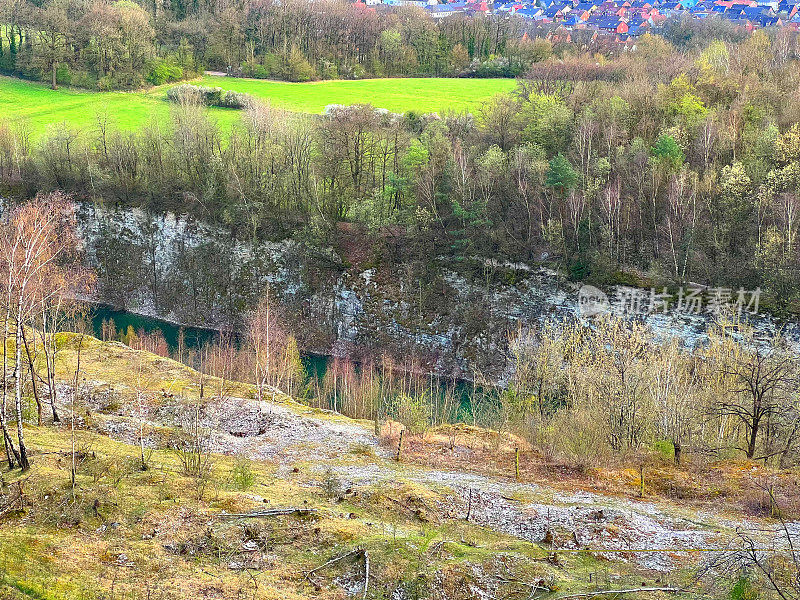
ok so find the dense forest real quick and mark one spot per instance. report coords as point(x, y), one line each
point(666, 165)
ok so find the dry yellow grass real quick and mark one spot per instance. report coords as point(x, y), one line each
point(128, 533)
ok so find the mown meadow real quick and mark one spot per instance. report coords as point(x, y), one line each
point(40, 107)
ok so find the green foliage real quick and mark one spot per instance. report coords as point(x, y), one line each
point(416, 156)
point(788, 145)
point(735, 190)
point(547, 123)
point(163, 71)
point(664, 448)
point(715, 60)
point(414, 412)
point(743, 589)
point(668, 153)
point(242, 474)
point(682, 103)
point(297, 68)
point(561, 175)
point(578, 269)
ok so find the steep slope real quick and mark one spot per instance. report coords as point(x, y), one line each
point(170, 531)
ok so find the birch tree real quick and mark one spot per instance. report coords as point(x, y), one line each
point(37, 251)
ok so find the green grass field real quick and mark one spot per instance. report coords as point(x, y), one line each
point(42, 107)
point(397, 95)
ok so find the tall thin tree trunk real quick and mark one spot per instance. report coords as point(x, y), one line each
point(50, 361)
point(23, 452)
point(72, 415)
point(8, 443)
point(33, 379)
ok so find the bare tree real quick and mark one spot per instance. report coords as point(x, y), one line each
point(758, 383)
point(275, 354)
point(37, 250)
point(673, 387)
point(771, 563)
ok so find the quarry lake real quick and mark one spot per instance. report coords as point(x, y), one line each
point(473, 403)
point(194, 337)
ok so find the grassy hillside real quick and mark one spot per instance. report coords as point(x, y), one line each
point(40, 106)
point(125, 532)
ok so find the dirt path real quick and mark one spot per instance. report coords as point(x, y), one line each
point(654, 535)
point(651, 535)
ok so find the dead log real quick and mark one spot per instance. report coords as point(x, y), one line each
point(366, 574)
point(275, 512)
point(337, 559)
point(641, 590)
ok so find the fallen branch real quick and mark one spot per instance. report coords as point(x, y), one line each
point(366, 574)
point(334, 560)
point(275, 512)
point(352, 553)
point(533, 587)
point(669, 590)
point(9, 506)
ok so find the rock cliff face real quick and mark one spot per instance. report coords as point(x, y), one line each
point(456, 322)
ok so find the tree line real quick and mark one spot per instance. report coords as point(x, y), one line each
point(102, 45)
point(583, 393)
point(123, 44)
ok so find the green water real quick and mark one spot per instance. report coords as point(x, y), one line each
point(315, 365)
point(194, 337)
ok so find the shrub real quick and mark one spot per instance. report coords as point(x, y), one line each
point(208, 96)
point(744, 590)
point(242, 474)
point(414, 412)
point(574, 437)
point(105, 83)
point(164, 70)
point(124, 81)
point(233, 99)
point(297, 68)
point(330, 485)
point(63, 75)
